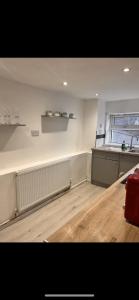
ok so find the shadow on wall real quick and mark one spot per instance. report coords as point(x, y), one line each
point(13, 138)
point(53, 124)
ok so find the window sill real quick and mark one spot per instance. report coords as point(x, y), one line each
point(112, 145)
point(117, 145)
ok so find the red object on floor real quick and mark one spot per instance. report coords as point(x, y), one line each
point(132, 198)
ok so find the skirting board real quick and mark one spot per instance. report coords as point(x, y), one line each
point(75, 185)
point(33, 209)
point(37, 207)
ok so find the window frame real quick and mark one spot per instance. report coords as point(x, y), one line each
point(109, 127)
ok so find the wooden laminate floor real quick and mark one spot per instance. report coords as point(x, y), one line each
point(39, 225)
point(103, 221)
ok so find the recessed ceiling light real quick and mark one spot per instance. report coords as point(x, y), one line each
point(65, 83)
point(126, 69)
point(96, 94)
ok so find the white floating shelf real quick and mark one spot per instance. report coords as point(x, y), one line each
point(57, 117)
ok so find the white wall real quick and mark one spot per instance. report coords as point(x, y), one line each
point(60, 137)
point(121, 106)
point(101, 106)
point(101, 116)
point(57, 139)
point(17, 145)
point(94, 120)
point(90, 123)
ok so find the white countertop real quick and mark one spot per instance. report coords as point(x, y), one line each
point(36, 163)
point(115, 150)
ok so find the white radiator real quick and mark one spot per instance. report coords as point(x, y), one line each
point(36, 184)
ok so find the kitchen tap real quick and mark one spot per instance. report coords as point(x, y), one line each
point(131, 143)
point(131, 147)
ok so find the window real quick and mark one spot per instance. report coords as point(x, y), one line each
point(122, 127)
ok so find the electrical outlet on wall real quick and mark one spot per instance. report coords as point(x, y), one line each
point(35, 132)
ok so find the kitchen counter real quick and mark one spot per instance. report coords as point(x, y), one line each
point(103, 221)
point(115, 150)
point(44, 161)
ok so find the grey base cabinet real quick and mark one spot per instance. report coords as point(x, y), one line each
point(105, 171)
point(105, 168)
point(127, 162)
point(108, 166)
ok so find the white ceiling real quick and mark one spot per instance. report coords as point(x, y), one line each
point(85, 76)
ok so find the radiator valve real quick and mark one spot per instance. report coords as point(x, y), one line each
point(15, 212)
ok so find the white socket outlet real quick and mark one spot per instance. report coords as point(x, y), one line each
point(35, 132)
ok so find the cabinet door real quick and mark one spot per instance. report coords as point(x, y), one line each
point(104, 171)
point(127, 162)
